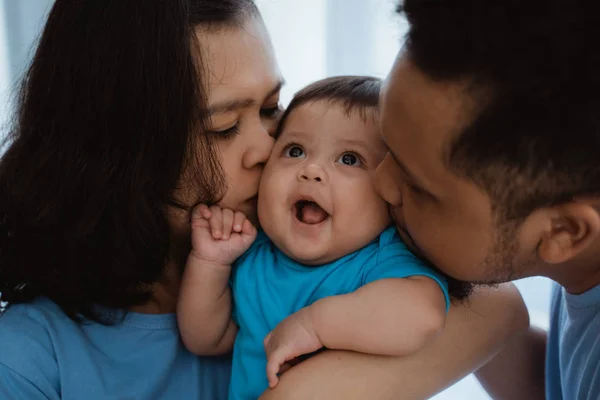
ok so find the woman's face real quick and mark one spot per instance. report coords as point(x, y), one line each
point(243, 81)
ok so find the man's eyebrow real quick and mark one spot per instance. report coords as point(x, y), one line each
point(232, 105)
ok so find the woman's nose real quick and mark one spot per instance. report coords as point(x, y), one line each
point(312, 173)
point(259, 149)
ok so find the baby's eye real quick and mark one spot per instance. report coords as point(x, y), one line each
point(350, 159)
point(294, 151)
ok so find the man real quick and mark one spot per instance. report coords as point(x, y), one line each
point(492, 117)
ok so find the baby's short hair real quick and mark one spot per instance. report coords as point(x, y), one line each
point(354, 93)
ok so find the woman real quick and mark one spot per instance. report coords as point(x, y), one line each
point(131, 113)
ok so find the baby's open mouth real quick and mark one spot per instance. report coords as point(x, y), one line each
point(309, 212)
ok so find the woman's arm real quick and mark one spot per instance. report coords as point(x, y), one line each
point(472, 335)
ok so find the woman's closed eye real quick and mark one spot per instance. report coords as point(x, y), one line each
point(226, 133)
point(351, 159)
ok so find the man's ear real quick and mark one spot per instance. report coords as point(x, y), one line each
point(573, 227)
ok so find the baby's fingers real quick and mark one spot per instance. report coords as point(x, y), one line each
point(238, 221)
point(216, 222)
point(199, 216)
point(227, 223)
point(274, 362)
point(248, 229)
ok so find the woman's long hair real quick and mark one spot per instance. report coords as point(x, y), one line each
point(109, 116)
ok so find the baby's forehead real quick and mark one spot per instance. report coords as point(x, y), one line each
point(333, 120)
point(356, 134)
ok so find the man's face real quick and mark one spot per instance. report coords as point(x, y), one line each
point(441, 215)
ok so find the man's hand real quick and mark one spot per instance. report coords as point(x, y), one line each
point(293, 337)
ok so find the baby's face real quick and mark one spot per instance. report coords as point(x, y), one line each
point(317, 201)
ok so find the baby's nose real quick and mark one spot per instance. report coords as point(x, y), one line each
point(312, 172)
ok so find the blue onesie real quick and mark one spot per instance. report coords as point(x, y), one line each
point(268, 286)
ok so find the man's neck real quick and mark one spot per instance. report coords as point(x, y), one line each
point(579, 276)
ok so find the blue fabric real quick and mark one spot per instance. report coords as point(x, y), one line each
point(268, 286)
point(45, 355)
point(573, 353)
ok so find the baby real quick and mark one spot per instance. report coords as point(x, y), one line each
point(327, 269)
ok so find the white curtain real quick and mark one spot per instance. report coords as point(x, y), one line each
point(20, 25)
point(314, 39)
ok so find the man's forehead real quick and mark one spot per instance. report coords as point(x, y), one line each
point(437, 111)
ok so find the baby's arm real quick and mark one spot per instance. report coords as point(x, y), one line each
point(389, 317)
point(204, 308)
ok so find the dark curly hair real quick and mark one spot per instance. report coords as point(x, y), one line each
point(533, 67)
point(108, 114)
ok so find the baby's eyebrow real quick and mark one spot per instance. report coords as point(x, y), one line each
point(290, 135)
point(360, 144)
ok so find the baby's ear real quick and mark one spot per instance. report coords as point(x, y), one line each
point(573, 227)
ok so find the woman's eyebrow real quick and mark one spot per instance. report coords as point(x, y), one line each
point(236, 104)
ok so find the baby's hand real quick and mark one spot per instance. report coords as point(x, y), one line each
point(220, 236)
point(293, 337)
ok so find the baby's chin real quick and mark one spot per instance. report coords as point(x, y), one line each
point(311, 259)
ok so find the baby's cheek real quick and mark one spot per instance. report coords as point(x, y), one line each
point(374, 211)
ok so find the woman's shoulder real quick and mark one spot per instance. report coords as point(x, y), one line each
point(36, 317)
point(26, 340)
